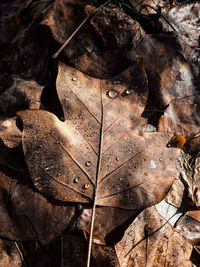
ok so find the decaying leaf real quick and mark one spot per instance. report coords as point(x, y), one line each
point(9, 254)
point(187, 184)
point(97, 150)
point(20, 95)
point(9, 133)
point(30, 216)
point(181, 117)
point(186, 223)
point(151, 241)
point(189, 228)
point(109, 230)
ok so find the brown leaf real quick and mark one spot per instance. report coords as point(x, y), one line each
point(102, 64)
point(27, 215)
point(181, 117)
point(111, 228)
point(151, 241)
point(185, 191)
point(186, 223)
point(97, 143)
point(74, 253)
point(9, 133)
point(189, 228)
point(20, 95)
point(9, 254)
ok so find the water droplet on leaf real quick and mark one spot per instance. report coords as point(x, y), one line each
point(74, 79)
point(76, 180)
point(129, 91)
point(88, 163)
point(112, 94)
point(86, 186)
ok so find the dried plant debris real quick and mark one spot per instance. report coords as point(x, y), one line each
point(186, 188)
point(90, 145)
point(97, 155)
point(150, 240)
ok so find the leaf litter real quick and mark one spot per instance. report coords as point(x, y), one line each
point(97, 156)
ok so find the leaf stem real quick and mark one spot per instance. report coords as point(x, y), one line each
point(78, 28)
point(96, 184)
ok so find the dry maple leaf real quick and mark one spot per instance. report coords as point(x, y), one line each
point(96, 155)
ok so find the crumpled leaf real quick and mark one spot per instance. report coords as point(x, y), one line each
point(96, 145)
point(9, 133)
point(185, 191)
point(181, 117)
point(20, 95)
point(185, 18)
point(150, 240)
point(189, 228)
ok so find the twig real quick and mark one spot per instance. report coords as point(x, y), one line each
point(161, 16)
point(20, 253)
point(78, 28)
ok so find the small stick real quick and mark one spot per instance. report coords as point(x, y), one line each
point(161, 16)
point(20, 253)
point(78, 28)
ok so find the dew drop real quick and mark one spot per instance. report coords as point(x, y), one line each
point(86, 186)
point(117, 158)
point(77, 128)
point(160, 160)
point(108, 165)
point(129, 91)
point(152, 164)
point(74, 79)
point(76, 180)
point(88, 163)
point(112, 94)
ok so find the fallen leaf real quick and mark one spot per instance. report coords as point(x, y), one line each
point(185, 191)
point(96, 145)
point(181, 118)
point(9, 254)
point(109, 230)
point(9, 133)
point(151, 241)
point(30, 216)
point(189, 228)
point(20, 95)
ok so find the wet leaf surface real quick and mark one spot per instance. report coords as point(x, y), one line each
point(150, 240)
point(109, 42)
point(97, 145)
